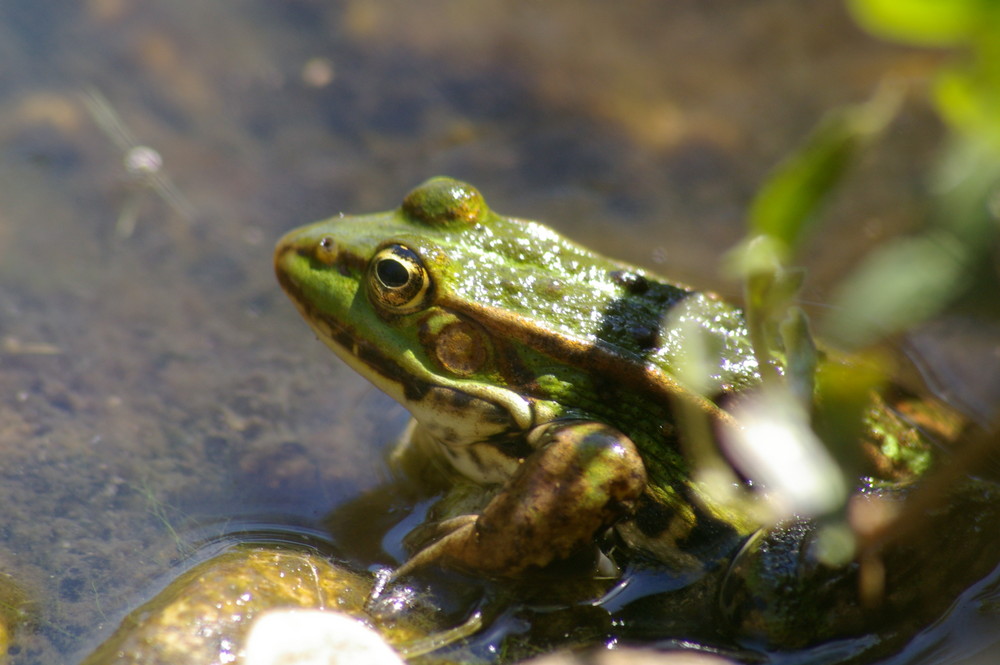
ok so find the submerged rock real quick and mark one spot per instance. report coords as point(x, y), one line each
point(15, 612)
point(204, 616)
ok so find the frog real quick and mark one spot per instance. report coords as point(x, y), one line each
point(533, 366)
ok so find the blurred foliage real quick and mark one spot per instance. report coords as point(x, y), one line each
point(787, 205)
point(926, 22)
point(950, 262)
point(785, 439)
point(911, 279)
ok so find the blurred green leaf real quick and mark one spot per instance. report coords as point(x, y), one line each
point(908, 281)
point(967, 95)
point(970, 103)
point(896, 287)
point(756, 254)
point(922, 22)
point(787, 204)
point(769, 297)
point(801, 355)
point(957, 98)
point(788, 201)
point(843, 396)
point(967, 186)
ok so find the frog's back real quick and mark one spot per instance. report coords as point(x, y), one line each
point(527, 271)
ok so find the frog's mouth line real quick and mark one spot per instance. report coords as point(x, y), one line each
point(361, 356)
point(499, 411)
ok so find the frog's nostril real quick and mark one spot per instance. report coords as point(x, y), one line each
point(326, 250)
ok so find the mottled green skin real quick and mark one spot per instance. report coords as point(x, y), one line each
point(550, 331)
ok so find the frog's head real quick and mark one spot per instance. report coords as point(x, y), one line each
point(387, 292)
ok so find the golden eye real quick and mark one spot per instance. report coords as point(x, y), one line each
point(397, 279)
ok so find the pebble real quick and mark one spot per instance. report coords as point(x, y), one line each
point(315, 637)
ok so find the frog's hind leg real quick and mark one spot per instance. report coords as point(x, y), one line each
point(583, 478)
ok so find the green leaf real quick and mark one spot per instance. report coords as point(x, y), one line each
point(786, 205)
point(921, 22)
point(843, 396)
point(801, 356)
point(897, 287)
point(969, 101)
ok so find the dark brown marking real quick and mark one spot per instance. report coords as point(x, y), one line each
point(652, 517)
point(633, 283)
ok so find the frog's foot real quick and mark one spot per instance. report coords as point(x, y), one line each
point(583, 478)
point(454, 535)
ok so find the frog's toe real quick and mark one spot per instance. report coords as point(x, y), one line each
point(455, 547)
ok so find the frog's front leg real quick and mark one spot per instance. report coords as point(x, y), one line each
point(583, 478)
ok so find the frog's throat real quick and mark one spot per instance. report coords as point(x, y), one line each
point(456, 412)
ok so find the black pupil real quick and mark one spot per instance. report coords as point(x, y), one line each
point(392, 273)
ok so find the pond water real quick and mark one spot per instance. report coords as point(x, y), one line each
point(157, 390)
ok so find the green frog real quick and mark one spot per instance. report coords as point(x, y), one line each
point(533, 366)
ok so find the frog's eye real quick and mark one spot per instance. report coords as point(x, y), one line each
point(398, 280)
